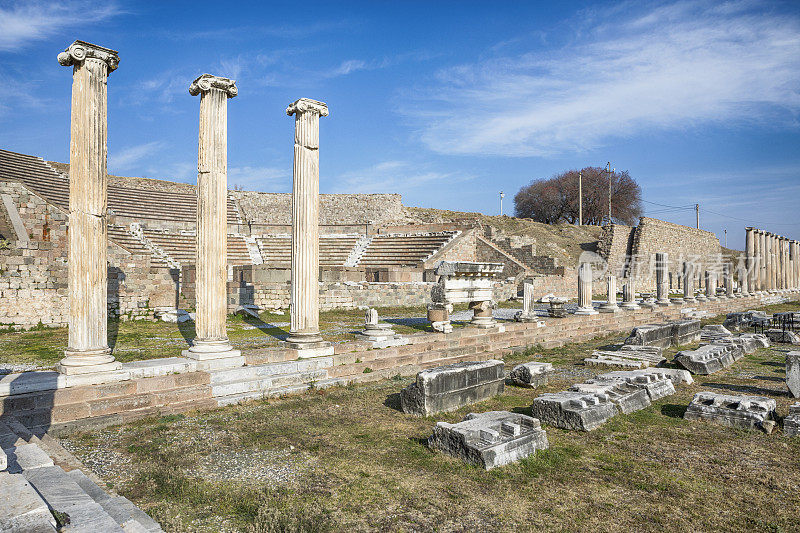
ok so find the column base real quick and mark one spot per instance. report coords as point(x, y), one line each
point(522, 317)
point(663, 303)
point(690, 300)
point(677, 301)
point(631, 306)
point(213, 355)
point(76, 362)
point(586, 311)
point(308, 344)
point(483, 322)
point(609, 308)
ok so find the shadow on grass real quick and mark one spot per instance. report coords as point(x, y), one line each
point(187, 331)
point(747, 389)
point(269, 329)
point(419, 324)
point(112, 325)
point(522, 411)
point(769, 378)
point(772, 363)
point(393, 402)
point(673, 410)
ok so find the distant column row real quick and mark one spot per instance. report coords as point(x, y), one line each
point(772, 262)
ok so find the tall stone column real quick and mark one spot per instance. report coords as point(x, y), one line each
point(758, 263)
point(662, 290)
point(585, 290)
point(785, 262)
point(87, 349)
point(795, 266)
point(688, 282)
point(711, 286)
point(773, 259)
point(629, 294)
point(728, 279)
point(304, 334)
point(744, 281)
point(764, 262)
point(750, 260)
point(767, 262)
point(211, 343)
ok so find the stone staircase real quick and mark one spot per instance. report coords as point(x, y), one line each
point(402, 250)
point(44, 489)
point(181, 247)
point(334, 250)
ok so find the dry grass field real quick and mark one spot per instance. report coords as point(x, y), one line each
point(346, 459)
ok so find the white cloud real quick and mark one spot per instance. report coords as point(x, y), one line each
point(130, 158)
point(25, 21)
point(395, 176)
point(679, 65)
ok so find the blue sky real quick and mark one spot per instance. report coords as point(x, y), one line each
point(444, 102)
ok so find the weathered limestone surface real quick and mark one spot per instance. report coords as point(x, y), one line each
point(378, 334)
point(744, 319)
point(304, 309)
point(471, 283)
point(688, 274)
point(665, 335)
point(451, 387)
point(675, 375)
point(793, 373)
point(22, 510)
point(709, 358)
point(662, 281)
point(783, 336)
point(628, 355)
point(528, 313)
point(212, 221)
point(791, 424)
point(627, 397)
point(573, 410)
point(610, 306)
point(629, 294)
point(88, 349)
point(491, 439)
point(533, 374)
point(747, 412)
point(585, 290)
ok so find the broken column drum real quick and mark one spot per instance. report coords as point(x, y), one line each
point(610, 306)
point(212, 219)
point(629, 294)
point(528, 313)
point(688, 282)
point(304, 332)
point(87, 349)
point(662, 290)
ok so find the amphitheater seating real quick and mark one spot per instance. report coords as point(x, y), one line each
point(333, 249)
point(124, 239)
point(148, 204)
point(183, 247)
point(402, 250)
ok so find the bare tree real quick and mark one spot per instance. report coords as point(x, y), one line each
point(556, 199)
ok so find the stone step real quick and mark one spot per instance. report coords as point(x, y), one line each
point(266, 383)
point(62, 494)
point(122, 510)
point(270, 369)
point(269, 393)
point(22, 510)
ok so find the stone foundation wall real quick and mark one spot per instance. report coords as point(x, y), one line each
point(615, 245)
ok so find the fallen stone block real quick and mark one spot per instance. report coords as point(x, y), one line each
point(628, 398)
point(531, 375)
point(606, 359)
point(713, 332)
point(451, 387)
point(791, 424)
point(709, 358)
point(747, 342)
point(793, 373)
point(676, 375)
point(674, 333)
point(783, 336)
point(742, 320)
point(747, 412)
point(490, 439)
point(627, 356)
point(654, 385)
point(573, 410)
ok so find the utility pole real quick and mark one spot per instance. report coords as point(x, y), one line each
point(726, 237)
point(697, 214)
point(580, 198)
point(608, 173)
point(502, 195)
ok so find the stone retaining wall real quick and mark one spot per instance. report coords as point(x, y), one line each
point(62, 410)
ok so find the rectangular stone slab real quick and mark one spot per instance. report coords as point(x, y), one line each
point(626, 397)
point(531, 375)
point(451, 387)
point(491, 439)
point(747, 412)
point(791, 424)
point(573, 410)
point(793, 373)
point(665, 335)
point(709, 358)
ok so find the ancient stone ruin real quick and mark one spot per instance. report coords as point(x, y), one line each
point(627, 356)
point(573, 410)
point(531, 375)
point(791, 424)
point(490, 439)
point(464, 282)
point(709, 358)
point(747, 412)
point(674, 333)
point(793, 373)
point(451, 387)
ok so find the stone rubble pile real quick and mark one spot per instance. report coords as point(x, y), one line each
point(747, 412)
point(490, 439)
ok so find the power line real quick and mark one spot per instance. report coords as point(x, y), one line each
point(690, 206)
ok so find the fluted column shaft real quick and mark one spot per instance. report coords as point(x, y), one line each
point(87, 269)
point(585, 290)
point(305, 225)
point(688, 282)
point(749, 258)
point(662, 287)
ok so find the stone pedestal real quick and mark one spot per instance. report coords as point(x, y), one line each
point(304, 332)
point(585, 290)
point(662, 289)
point(482, 315)
point(87, 351)
point(610, 306)
point(629, 294)
point(211, 342)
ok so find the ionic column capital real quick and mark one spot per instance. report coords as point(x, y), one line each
point(79, 51)
point(206, 82)
point(307, 105)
